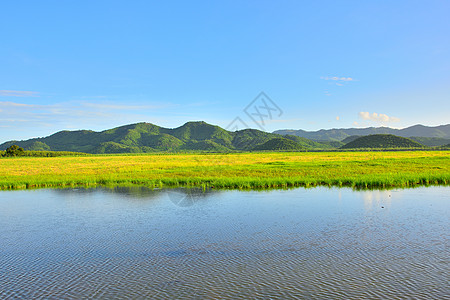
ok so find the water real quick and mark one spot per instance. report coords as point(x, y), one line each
point(304, 243)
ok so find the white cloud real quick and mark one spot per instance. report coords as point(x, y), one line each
point(379, 118)
point(10, 93)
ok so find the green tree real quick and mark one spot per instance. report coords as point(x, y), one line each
point(14, 150)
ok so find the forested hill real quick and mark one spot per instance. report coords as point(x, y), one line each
point(146, 137)
point(381, 141)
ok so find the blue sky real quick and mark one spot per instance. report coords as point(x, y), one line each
point(67, 65)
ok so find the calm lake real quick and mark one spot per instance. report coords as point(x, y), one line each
point(315, 243)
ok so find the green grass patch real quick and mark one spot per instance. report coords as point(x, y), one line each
point(232, 170)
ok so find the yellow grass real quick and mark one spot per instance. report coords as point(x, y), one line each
point(241, 170)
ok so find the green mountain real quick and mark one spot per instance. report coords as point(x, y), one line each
point(427, 141)
point(310, 144)
point(277, 144)
point(431, 141)
point(350, 139)
point(382, 141)
point(146, 137)
point(442, 131)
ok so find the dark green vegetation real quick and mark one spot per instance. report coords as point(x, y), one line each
point(442, 131)
point(310, 144)
point(431, 141)
point(13, 150)
point(381, 141)
point(350, 139)
point(279, 144)
point(147, 138)
point(27, 153)
point(203, 137)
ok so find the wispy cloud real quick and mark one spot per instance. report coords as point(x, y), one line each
point(376, 117)
point(337, 78)
point(41, 119)
point(76, 114)
point(10, 93)
point(14, 104)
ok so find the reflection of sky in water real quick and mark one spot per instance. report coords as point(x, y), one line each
point(375, 199)
point(185, 242)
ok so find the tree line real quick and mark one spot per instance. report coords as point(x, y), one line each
point(16, 151)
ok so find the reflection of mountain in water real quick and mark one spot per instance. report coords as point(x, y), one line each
point(128, 192)
point(141, 192)
point(183, 197)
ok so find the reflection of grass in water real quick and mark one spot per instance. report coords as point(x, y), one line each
point(238, 170)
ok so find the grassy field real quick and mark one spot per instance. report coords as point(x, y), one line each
point(237, 170)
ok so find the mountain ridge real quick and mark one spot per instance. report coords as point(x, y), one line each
point(201, 136)
point(381, 141)
point(339, 134)
point(148, 137)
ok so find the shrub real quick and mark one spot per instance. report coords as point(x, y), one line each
point(14, 150)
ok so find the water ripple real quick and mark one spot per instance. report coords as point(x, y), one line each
point(300, 244)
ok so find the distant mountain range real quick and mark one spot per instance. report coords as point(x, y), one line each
point(201, 136)
point(442, 132)
point(381, 141)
